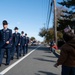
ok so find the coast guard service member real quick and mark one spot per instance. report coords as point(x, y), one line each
point(16, 43)
point(22, 43)
point(5, 42)
point(26, 43)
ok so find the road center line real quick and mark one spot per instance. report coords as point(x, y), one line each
point(14, 64)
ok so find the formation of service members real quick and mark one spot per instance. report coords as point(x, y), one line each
point(11, 43)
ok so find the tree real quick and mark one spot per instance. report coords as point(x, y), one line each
point(43, 32)
point(49, 34)
point(32, 38)
point(68, 18)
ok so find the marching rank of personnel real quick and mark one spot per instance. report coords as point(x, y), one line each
point(12, 43)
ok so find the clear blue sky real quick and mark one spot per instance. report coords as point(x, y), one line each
point(27, 15)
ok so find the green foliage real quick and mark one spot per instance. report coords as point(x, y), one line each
point(60, 35)
point(42, 32)
point(32, 38)
point(49, 34)
point(68, 3)
point(68, 16)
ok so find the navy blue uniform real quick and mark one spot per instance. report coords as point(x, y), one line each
point(26, 43)
point(16, 47)
point(23, 45)
point(5, 35)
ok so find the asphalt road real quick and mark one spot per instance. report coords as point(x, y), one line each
point(39, 62)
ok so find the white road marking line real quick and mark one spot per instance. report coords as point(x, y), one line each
point(11, 66)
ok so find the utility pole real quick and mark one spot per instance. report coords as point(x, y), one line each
point(55, 22)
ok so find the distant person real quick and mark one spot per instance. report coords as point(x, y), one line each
point(51, 44)
point(5, 42)
point(26, 43)
point(67, 55)
point(22, 43)
point(55, 46)
point(16, 43)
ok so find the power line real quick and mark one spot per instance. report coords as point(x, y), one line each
point(49, 13)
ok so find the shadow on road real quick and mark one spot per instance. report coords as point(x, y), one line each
point(32, 47)
point(41, 59)
point(46, 49)
point(45, 73)
point(43, 48)
point(49, 56)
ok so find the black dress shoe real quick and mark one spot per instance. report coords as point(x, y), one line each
point(12, 58)
point(17, 57)
point(0, 65)
point(7, 64)
point(23, 54)
point(20, 55)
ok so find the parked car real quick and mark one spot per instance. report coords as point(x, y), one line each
point(34, 43)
